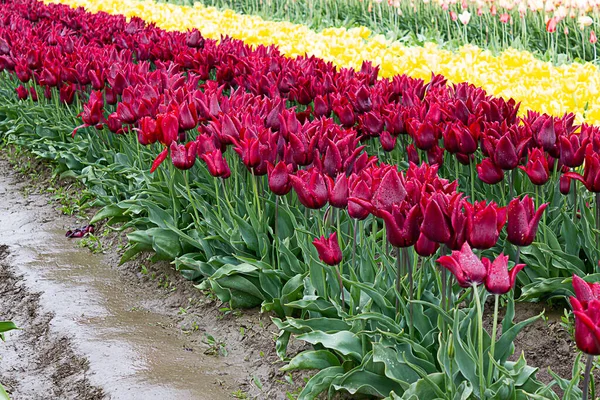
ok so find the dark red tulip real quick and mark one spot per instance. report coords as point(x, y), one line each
point(217, 164)
point(183, 156)
point(388, 142)
point(586, 307)
point(499, 279)
point(412, 154)
point(565, 184)
point(67, 94)
point(168, 128)
point(465, 266)
point(523, 221)
point(114, 124)
point(537, 167)
point(591, 171)
point(572, 150)
point(311, 188)
point(279, 178)
point(329, 249)
point(489, 173)
point(359, 190)
point(162, 156)
point(425, 247)
point(402, 225)
point(338, 191)
point(148, 131)
point(33, 94)
point(436, 225)
point(22, 93)
point(424, 134)
point(390, 191)
point(435, 155)
point(505, 155)
point(485, 221)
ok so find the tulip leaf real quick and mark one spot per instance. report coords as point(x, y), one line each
point(318, 359)
point(6, 326)
point(429, 387)
point(345, 342)
point(504, 344)
point(394, 368)
point(366, 383)
point(320, 382)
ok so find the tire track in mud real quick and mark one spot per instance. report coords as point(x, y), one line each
point(35, 363)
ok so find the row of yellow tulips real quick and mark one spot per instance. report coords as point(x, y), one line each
point(536, 84)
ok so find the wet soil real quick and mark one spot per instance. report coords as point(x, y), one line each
point(92, 329)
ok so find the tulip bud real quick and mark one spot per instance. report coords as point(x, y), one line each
point(329, 249)
point(565, 184)
point(22, 93)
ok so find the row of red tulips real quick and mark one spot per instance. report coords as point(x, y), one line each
point(301, 123)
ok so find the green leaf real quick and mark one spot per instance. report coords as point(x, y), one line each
point(345, 342)
point(320, 382)
point(367, 382)
point(318, 359)
point(6, 326)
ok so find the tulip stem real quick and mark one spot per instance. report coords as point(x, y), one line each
point(216, 181)
point(493, 344)
point(472, 170)
point(479, 341)
point(586, 377)
point(354, 245)
point(597, 206)
point(192, 202)
point(410, 289)
point(339, 276)
point(444, 279)
point(398, 274)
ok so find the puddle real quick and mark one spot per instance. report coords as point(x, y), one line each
point(133, 352)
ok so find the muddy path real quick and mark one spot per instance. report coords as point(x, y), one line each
point(92, 329)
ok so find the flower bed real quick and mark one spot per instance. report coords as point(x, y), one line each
point(302, 162)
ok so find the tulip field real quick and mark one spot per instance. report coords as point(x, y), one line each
point(377, 177)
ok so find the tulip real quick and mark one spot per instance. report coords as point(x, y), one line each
point(465, 266)
point(388, 142)
point(390, 191)
point(162, 156)
point(279, 178)
point(169, 128)
point(464, 17)
point(593, 38)
point(551, 25)
point(425, 247)
point(523, 221)
point(505, 155)
point(435, 222)
point(485, 221)
point(358, 190)
point(499, 279)
point(311, 188)
point(217, 164)
point(329, 249)
point(402, 224)
point(183, 156)
point(489, 173)
point(505, 18)
point(591, 171)
point(572, 150)
point(564, 184)
point(338, 191)
point(586, 307)
point(22, 93)
point(537, 167)
point(412, 154)
point(33, 94)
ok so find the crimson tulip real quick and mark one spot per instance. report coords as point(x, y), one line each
point(537, 167)
point(217, 164)
point(586, 307)
point(183, 156)
point(329, 249)
point(505, 155)
point(338, 191)
point(489, 173)
point(499, 279)
point(591, 171)
point(22, 93)
point(465, 266)
point(523, 221)
point(279, 178)
point(311, 188)
point(485, 221)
